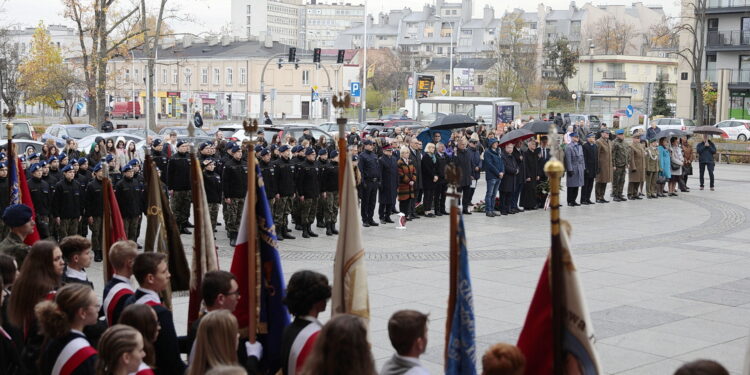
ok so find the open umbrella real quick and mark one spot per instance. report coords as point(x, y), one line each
point(453, 121)
point(669, 133)
point(707, 129)
point(515, 136)
point(540, 127)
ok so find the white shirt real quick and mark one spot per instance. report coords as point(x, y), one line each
point(417, 369)
point(121, 277)
point(75, 274)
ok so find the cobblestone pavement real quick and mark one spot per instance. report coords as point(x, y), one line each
point(666, 280)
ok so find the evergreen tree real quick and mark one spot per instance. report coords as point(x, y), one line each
point(661, 106)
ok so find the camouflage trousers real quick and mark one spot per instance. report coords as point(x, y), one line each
point(618, 181)
point(83, 229)
point(320, 211)
point(96, 233)
point(633, 189)
point(42, 226)
point(180, 205)
point(296, 211)
point(54, 230)
point(651, 189)
point(233, 214)
point(213, 210)
point(68, 227)
point(330, 207)
point(282, 207)
point(131, 227)
point(307, 210)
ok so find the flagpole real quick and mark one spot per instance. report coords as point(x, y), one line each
point(251, 127)
point(452, 176)
point(341, 102)
point(106, 218)
point(554, 170)
point(11, 159)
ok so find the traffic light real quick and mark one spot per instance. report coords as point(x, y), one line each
point(263, 98)
point(340, 56)
point(292, 54)
point(281, 62)
point(229, 97)
point(316, 55)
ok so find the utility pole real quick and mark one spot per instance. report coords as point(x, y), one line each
point(363, 101)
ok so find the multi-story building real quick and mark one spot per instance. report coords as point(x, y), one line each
point(622, 75)
point(727, 48)
point(65, 38)
point(323, 22)
point(222, 79)
point(470, 75)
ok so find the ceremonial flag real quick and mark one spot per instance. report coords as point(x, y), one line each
point(19, 190)
point(273, 316)
point(205, 258)
point(113, 228)
point(462, 349)
point(536, 339)
point(162, 234)
point(350, 294)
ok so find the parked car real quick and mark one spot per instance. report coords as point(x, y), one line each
point(333, 128)
point(182, 130)
point(126, 110)
point(686, 125)
point(22, 129)
point(590, 122)
point(21, 145)
point(735, 129)
point(382, 125)
point(84, 144)
point(59, 133)
point(228, 130)
point(136, 131)
point(295, 130)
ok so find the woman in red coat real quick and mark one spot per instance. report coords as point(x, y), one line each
point(407, 177)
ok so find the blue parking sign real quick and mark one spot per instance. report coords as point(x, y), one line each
point(355, 89)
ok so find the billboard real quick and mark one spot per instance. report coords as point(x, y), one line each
point(504, 114)
point(463, 79)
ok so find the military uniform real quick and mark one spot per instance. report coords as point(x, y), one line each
point(178, 180)
point(296, 207)
point(604, 172)
point(637, 169)
point(234, 180)
point(212, 184)
point(282, 207)
point(131, 198)
point(14, 246)
point(94, 208)
point(308, 189)
point(320, 210)
point(83, 177)
point(329, 176)
point(161, 161)
point(66, 205)
point(41, 196)
point(620, 159)
point(652, 171)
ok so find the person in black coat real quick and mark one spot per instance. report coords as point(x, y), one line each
point(212, 184)
point(132, 201)
point(441, 186)
point(521, 177)
point(430, 178)
point(178, 180)
point(508, 182)
point(41, 195)
point(93, 209)
point(591, 160)
point(415, 150)
point(463, 162)
point(388, 188)
point(66, 203)
point(371, 178)
point(159, 157)
point(532, 177)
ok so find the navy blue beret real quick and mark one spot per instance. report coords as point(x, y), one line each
point(17, 215)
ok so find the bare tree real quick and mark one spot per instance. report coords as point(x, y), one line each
point(613, 36)
point(150, 45)
point(9, 75)
point(516, 51)
point(692, 32)
point(661, 35)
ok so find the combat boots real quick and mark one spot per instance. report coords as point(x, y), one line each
point(233, 239)
point(333, 228)
point(305, 232)
point(310, 232)
point(286, 233)
point(97, 255)
point(328, 230)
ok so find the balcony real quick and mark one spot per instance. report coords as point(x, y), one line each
point(738, 78)
point(729, 40)
point(613, 75)
point(727, 6)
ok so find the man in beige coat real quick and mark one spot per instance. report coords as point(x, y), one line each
point(604, 176)
point(637, 172)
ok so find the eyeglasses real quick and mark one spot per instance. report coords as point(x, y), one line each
point(236, 292)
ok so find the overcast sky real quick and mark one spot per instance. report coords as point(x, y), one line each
point(212, 15)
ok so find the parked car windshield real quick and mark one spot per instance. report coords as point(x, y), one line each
point(80, 132)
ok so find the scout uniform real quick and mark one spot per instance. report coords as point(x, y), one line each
point(620, 160)
point(637, 167)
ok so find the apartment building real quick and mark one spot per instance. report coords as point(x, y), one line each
point(63, 37)
point(323, 22)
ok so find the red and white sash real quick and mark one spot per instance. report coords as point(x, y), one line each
point(116, 293)
point(73, 354)
point(302, 346)
point(143, 369)
point(150, 299)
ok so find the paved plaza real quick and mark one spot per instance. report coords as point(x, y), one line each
point(666, 280)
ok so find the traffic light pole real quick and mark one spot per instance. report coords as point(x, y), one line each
point(297, 63)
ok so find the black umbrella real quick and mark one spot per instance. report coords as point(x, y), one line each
point(453, 121)
point(669, 133)
point(540, 127)
point(707, 129)
point(515, 136)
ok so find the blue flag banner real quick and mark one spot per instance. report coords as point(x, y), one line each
point(15, 190)
point(462, 349)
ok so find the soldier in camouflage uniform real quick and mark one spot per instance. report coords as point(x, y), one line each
point(308, 190)
point(320, 212)
point(330, 186)
point(621, 160)
point(93, 210)
point(285, 184)
point(652, 168)
point(637, 171)
point(212, 184)
point(178, 181)
point(268, 172)
point(298, 157)
point(132, 202)
point(234, 182)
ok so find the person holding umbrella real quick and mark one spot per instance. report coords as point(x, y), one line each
point(706, 151)
point(575, 165)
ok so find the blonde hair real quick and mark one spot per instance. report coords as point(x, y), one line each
point(121, 252)
point(404, 150)
point(430, 147)
point(215, 342)
point(227, 370)
point(56, 317)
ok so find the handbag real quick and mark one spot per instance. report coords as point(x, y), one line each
point(661, 180)
point(674, 165)
point(687, 169)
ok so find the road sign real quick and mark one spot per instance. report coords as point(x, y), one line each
point(574, 96)
point(629, 110)
point(443, 91)
point(355, 89)
point(411, 93)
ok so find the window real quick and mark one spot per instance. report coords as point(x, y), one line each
point(480, 79)
point(127, 74)
point(440, 50)
point(447, 79)
point(175, 76)
point(305, 77)
point(217, 79)
point(135, 75)
point(164, 76)
point(243, 76)
point(188, 76)
point(229, 76)
point(713, 24)
point(249, 9)
point(204, 76)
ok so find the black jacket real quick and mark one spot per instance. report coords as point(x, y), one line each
point(329, 176)
point(429, 171)
point(161, 161)
point(416, 160)
point(369, 166)
point(66, 202)
point(234, 179)
point(308, 179)
point(389, 186)
point(508, 182)
point(463, 162)
point(268, 171)
point(130, 197)
point(93, 204)
point(212, 183)
point(591, 159)
point(41, 196)
point(285, 177)
point(168, 361)
point(178, 172)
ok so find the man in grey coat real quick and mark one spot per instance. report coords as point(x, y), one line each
point(575, 165)
point(407, 330)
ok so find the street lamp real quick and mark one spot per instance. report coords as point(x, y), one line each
point(591, 65)
point(188, 106)
point(453, 32)
point(132, 81)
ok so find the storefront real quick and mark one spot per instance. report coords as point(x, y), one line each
point(739, 104)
